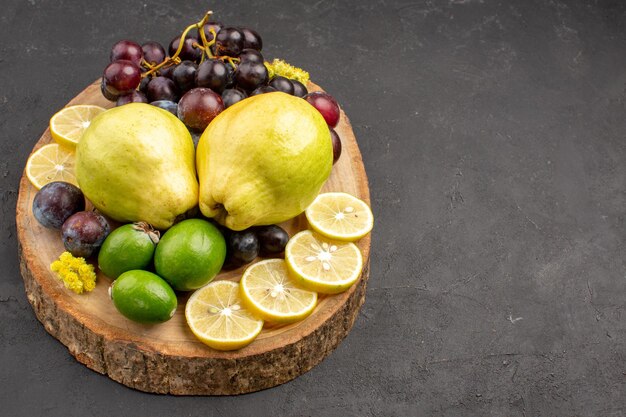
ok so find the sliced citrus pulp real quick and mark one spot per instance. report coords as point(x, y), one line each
point(216, 316)
point(49, 163)
point(321, 264)
point(67, 126)
point(340, 216)
point(270, 293)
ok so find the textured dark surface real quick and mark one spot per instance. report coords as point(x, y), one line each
point(493, 134)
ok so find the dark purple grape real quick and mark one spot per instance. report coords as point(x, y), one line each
point(167, 71)
point(198, 107)
point(106, 92)
point(250, 75)
point(282, 84)
point(184, 76)
point(336, 145)
point(251, 39)
point(216, 26)
point(134, 97)
point(127, 50)
point(231, 96)
point(230, 75)
point(299, 90)
point(84, 232)
point(55, 202)
point(250, 55)
point(326, 105)
point(272, 239)
point(161, 88)
point(229, 42)
point(242, 247)
point(262, 90)
point(188, 52)
point(212, 74)
point(153, 52)
point(168, 105)
point(143, 85)
point(121, 77)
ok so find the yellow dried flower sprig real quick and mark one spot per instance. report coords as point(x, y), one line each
point(77, 275)
point(280, 67)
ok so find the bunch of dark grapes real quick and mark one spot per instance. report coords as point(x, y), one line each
point(215, 67)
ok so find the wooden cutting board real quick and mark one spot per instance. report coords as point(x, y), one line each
point(167, 358)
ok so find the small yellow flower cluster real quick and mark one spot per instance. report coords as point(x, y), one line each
point(280, 67)
point(76, 273)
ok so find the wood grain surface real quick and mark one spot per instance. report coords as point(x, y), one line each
point(167, 358)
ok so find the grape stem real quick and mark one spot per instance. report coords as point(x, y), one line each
point(174, 59)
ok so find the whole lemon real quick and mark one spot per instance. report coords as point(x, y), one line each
point(263, 160)
point(190, 254)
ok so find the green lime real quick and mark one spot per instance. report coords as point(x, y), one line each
point(128, 247)
point(143, 297)
point(190, 254)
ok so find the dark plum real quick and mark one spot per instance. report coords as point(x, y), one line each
point(229, 41)
point(299, 90)
point(84, 232)
point(262, 90)
point(162, 88)
point(231, 96)
point(55, 202)
point(212, 74)
point(242, 247)
point(336, 145)
point(198, 107)
point(251, 39)
point(188, 51)
point(250, 75)
point(168, 105)
point(127, 50)
point(326, 105)
point(121, 77)
point(134, 97)
point(184, 76)
point(272, 239)
point(250, 55)
point(282, 84)
point(153, 52)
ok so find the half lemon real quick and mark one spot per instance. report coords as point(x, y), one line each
point(51, 163)
point(68, 125)
point(340, 216)
point(215, 314)
point(270, 293)
point(321, 264)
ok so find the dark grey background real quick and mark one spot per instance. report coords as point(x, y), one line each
point(493, 134)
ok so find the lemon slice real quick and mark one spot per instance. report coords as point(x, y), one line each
point(51, 163)
point(321, 264)
point(269, 292)
point(340, 216)
point(68, 125)
point(217, 317)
